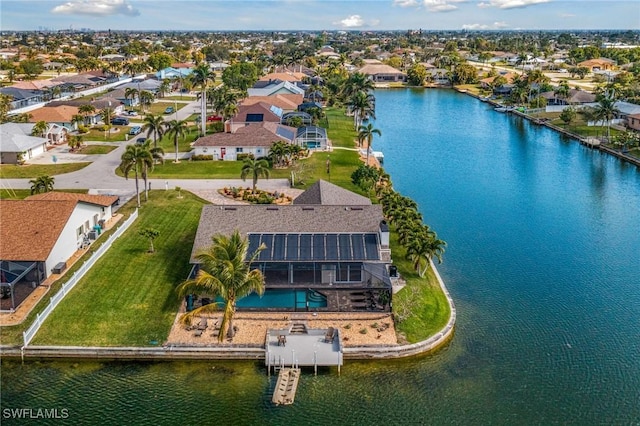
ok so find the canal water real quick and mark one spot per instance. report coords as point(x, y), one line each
point(543, 262)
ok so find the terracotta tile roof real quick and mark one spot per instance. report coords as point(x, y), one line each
point(100, 200)
point(286, 102)
point(258, 134)
point(284, 76)
point(57, 114)
point(35, 84)
point(373, 69)
point(29, 229)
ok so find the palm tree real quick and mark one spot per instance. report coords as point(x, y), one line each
point(75, 142)
point(135, 158)
point(86, 110)
point(362, 105)
point(421, 248)
point(131, 92)
point(224, 272)
point(157, 157)
point(562, 91)
point(42, 184)
point(177, 129)
point(256, 169)
point(146, 98)
point(154, 124)
point(605, 111)
point(366, 133)
point(201, 76)
point(40, 128)
point(77, 119)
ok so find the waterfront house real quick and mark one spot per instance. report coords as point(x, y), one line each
point(329, 251)
point(312, 137)
point(287, 103)
point(382, 73)
point(575, 97)
point(633, 121)
point(276, 88)
point(41, 233)
point(255, 113)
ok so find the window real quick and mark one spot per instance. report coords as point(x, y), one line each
point(80, 231)
point(238, 150)
point(255, 118)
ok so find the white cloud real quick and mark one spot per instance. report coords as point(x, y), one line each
point(352, 21)
point(96, 8)
point(567, 15)
point(431, 5)
point(406, 3)
point(494, 26)
point(510, 4)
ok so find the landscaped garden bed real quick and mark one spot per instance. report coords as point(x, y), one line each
point(255, 197)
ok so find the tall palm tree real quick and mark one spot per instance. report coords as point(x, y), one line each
point(421, 248)
point(135, 158)
point(131, 92)
point(255, 169)
point(225, 272)
point(362, 105)
point(157, 157)
point(86, 110)
point(146, 98)
point(605, 111)
point(366, 133)
point(40, 128)
point(154, 124)
point(75, 142)
point(202, 76)
point(42, 184)
point(177, 129)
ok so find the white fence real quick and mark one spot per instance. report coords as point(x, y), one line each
point(68, 286)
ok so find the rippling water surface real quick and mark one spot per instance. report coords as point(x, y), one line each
point(543, 263)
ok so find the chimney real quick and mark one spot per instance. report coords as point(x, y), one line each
point(227, 126)
point(383, 233)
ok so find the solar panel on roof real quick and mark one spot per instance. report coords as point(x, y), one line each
point(344, 247)
point(293, 246)
point(305, 247)
point(371, 246)
point(332, 247)
point(278, 247)
point(266, 254)
point(318, 247)
point(285, 133)
point(254, 243)
point(357, 244)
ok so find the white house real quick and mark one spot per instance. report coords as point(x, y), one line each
point(17, 144)
point(40, 234)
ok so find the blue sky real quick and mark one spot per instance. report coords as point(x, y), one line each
point(217, 15)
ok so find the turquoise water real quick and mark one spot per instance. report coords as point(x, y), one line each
point(282, 298)
point(543, 263)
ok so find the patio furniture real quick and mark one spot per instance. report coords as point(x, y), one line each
point(203, 324)
point(330, 335)
point(282, 340)
point(198, 333)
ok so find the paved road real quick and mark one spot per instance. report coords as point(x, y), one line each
point(100, 177)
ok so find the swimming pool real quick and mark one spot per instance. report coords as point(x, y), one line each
point(284, 298)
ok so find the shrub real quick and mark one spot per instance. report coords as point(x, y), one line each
point(101, 127)
point(244, 156)
point(83, 129)
point(201, 157)
point(364, 331)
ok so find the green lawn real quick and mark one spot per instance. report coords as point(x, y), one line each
point(14, 194)
point(100, 136)
point(184, 97)
point(129, 297)
point(421, 307)
point(159, 107)
point(205, 170)
point(96, 149)
point(12, 171)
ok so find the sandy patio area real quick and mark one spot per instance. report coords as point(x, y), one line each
point(355, 328)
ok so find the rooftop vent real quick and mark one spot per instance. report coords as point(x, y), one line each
point(272, 208)
point(230, 208)
point(308, 208)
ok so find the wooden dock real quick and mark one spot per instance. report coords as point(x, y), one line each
point(285, 391)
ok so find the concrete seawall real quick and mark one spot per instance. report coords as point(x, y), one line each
point(246, 352)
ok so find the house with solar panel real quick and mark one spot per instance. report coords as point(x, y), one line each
point(326, 252)
point(252, 138)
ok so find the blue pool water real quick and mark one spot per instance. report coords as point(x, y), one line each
point(284, 298)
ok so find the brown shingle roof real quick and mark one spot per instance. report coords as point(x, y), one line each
point(57, 114)
point(30, 228)
point(373, 69)
point(328, 194)
point(247, 219)
point(257, 108)
point(101, 200)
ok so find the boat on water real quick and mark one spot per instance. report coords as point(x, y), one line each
point(503, 109)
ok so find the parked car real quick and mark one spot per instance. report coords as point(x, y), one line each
point(135, 130)
point(131, 113)
point(169, 110)
point(141, 141)
point(120, 121)
point(214, 118)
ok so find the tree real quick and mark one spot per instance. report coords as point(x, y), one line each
point(201, 76)
point(366, 133)
point(86, 110)
point(568, 115)
point(31, 68)
point(422, 246)
point(40, 129)
point(362, 105)
point(465, 74)
point(75, 142)
point(154, 124)
point(5, 107)
point(131, 92)
point(176, 129)
point(605, 111)
point(135, 158)
point(146, 98)
point(42, 184)
point(255, 169)
point(157, 155)
point(417, 75)
point(224, 272)
point(240, 76)
point(151, 234)
point(365, 177)
point(159, 61)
